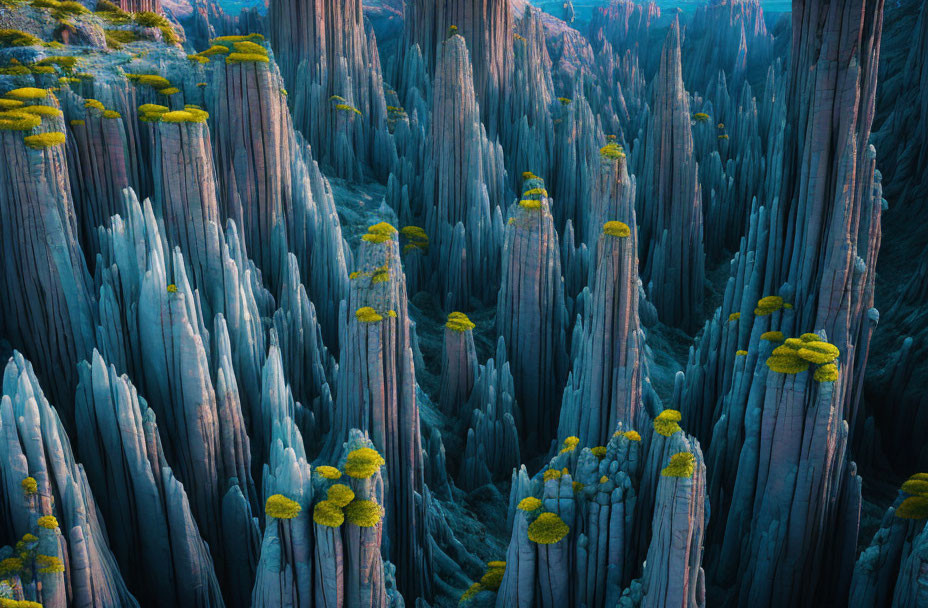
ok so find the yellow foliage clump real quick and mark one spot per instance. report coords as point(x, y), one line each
point(151, 112)
point(734, 316)
point(772, 336)
point(49, 564)
point(599, 451)
point(340, 494)
point(493, 577)
point(364, 513)
point(30, 485)
point(552, 474)
point(169, 91)
point(380, 232)
point(171, 288)
point(681, 464)
point(617, 229)
point(666, 423)
point(10, 104)
point(535, 192)
point(913, 507)
point(701, 116)
point(279, 506)
point(49, 522)
point(819, 352)
point(328, 472)
point(826, 373)
point(44, 140)
point(916, 487)
point(27, 93)
point(327, 513)
point(603, 479)
point(363, 462)
point(530, 203)
point(471, 592)
point(547, 529)
point(810, 337)
point(577, 486)
point(185, 115)
point(529, 504)
point(10, 565)
point(366, 314)
point(786, 363)
point(570, 444)
point(527, 175)
point(740, 353)
point(459, 322)
point(768, 305)
point(611, 151)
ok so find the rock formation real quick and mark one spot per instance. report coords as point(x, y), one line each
point(669, 200)
point(531, 315)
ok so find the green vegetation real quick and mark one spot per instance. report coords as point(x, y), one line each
point(152, 80)
point(151, 112)
point(826, 373)
point(188, 114)
point(150, 19)
point(552, 474)
point(42, 111)
point(417, 238)
point(61, 10)
point(459, 322)
point(29, 485)
point(49, 522)
point(612, 151)
point(44, 140)
point(547, 529)
point(344, 107)
point(362, 463)
point(493, 577)
point(116, 39)
point(632, 435)
point(681, 464)
point(772, 336)
point(364, 513)
point(49, 564)
point(734, 316)
point(228, 40)
point(701, 117)
point(327, 513)
point(617, 229)
point(65, 62)
point(570, 444)
point(28, 93)
point(564, 101)
point(279, 506)
point(17, 120)
point(740, 353)
point(18, 38)
point(599, 451)
point(666, 423)
point(77, 123)
point(795, 355)
point(530, 203)
point(529, 504)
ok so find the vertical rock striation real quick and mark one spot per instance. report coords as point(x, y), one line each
point(463, 185)
point(328, 58)
point(149, 522)
point(34, 447)
point(531, 315)
point(669, 199)
point(46, 307)
point(604, 387)
point(486, 26)
point(377, 394)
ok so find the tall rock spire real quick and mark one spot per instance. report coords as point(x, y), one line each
point(328, 58)
point(377, 394)
point(669, 200)
point(604, 386)
point(486, 26)
point(464, 183)
point(531, 314)
point(46, 301)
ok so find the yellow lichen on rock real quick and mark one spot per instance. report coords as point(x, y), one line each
point(366, 314)
point(617, 229)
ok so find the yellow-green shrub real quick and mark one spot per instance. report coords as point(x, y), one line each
point(366, 314)
point(364, 513)
point(44, 140)
point(279, 506)
point(327, 513)
point(617, 229)
point(340, 494)
point(681, 464)
point(363, 462)
point(328, 472)
point(459, 322)
point(666, 423)
point(547, 529)
point(529, 504)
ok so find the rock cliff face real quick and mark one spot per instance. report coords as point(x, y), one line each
point(486, 26)
point(531, 315)
point(377, 393)
point(669, 199)
point(46, 302)
point(463, 186)
point(329, 61)
point(64, 558)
